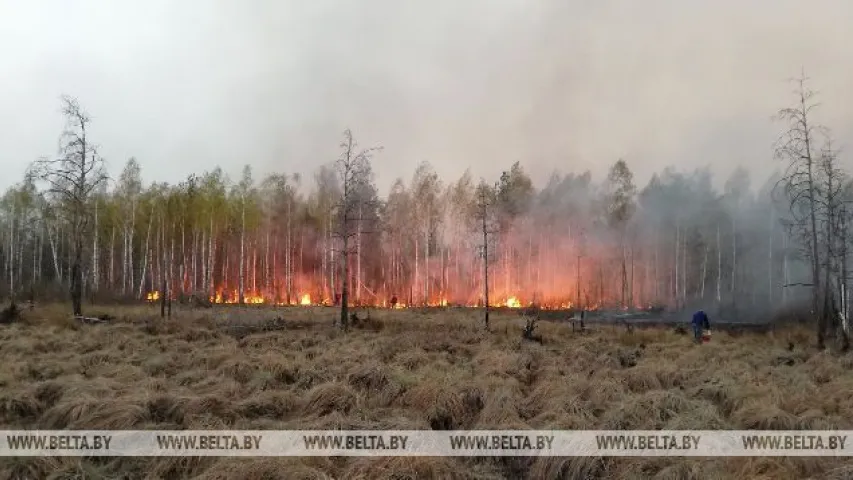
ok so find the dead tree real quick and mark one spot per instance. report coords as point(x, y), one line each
point(798, 147)
point(72, 178)
point(845, 310)
point(483, 214)
point(830, 200)
point(354, 172)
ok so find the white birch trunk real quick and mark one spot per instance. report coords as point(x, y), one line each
point(95, 251)
point(111, 275)
point(145, 258)
point(677, 240)
point(10, 267)
point(704, 271)
point(241, 278)
point(770, 261)
point(719, 266)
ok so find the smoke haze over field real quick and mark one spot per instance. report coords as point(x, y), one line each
point(186, 85)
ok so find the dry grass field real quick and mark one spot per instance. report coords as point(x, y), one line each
point(408, 370)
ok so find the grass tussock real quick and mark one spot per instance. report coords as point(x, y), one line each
point(255, 368)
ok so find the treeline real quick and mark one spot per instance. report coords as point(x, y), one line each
point(677, 241)
point(682, 239)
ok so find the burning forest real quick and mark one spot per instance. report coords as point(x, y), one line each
point(573, 242)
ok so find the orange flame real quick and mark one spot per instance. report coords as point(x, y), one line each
point(517, 300)
point(234, 297)
point(253, 299)
point(153, 296)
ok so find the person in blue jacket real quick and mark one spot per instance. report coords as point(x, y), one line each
point(700, 322)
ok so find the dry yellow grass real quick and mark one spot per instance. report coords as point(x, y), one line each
point(411, 371)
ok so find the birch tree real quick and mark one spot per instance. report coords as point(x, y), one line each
point(73, 176)
point(620, 208)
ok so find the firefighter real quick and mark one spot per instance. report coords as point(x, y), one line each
point(700, 323)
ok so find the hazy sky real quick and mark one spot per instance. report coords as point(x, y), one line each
point(557, 84)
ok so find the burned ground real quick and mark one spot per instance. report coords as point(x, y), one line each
point(235, 368)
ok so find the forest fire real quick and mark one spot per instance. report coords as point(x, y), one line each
point(232, 297)
point(256, 298)
point(304, 296)
point(225, 297)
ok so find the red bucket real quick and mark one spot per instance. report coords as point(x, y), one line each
point(706, 336)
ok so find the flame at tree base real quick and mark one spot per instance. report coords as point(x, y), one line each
point(254, 298)
point(517, 301)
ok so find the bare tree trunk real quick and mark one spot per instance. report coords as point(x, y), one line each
point(95, 251)
point(197, 259)
point(578, 283)
point(55, 253)
point(33, 273)
point(704, 272)
point(417, 276)
point(426, 269)
point(506, 249)
point(208, 278)
point(486, 268)
point(130, 268)
point(124, 261)
point(624, 272)
point(358, 259)
point(734, 257)
point(164, 293)
point(770, 261)
point(677, 240)
point(267, 270)
point(657, 272)
point(9, 261)
point(111, 274)
point(145, 258)
point(77, 277)
point(288, 267)
point(241, 278)
point(40, 256)
point(719, 267)
point(202, 263)
point(685, 268)
point(345, 285)
point(845, 322)
point(631, 279)
point(332, 265)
